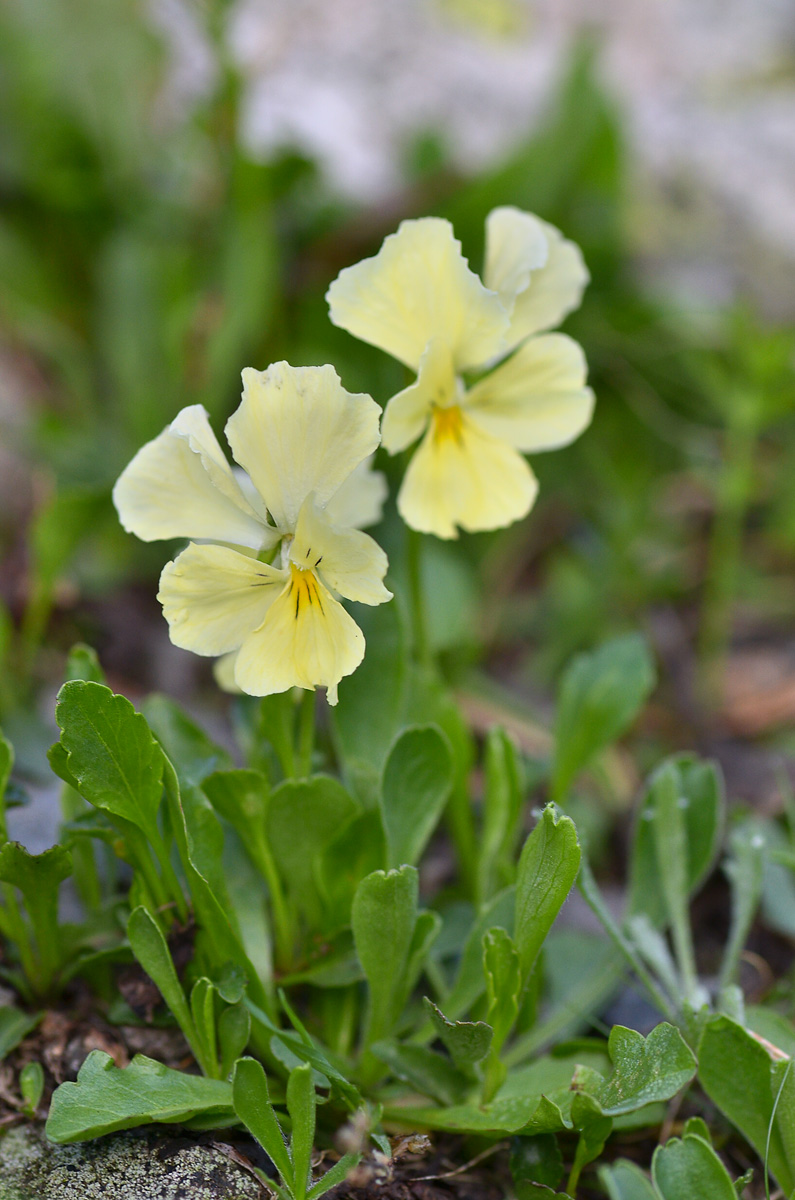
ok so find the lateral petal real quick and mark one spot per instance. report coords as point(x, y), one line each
point(213, 597)
point(419, 286)
point(516, 245)
point(349, 561)
point(180, 485)
point(537, 399)
point(465, 477)
point(307, 640)
point(554, 290)
point(298, 431)
point(407, 413)
point(359, 500)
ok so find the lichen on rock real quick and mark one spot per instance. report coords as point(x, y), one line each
point(130, 1166)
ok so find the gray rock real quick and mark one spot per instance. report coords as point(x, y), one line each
point(132, 1166)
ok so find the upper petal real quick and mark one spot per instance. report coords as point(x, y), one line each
point(537, 399)
point(298, 431)
point(359, 500)
point(350, 561)
point(516, 245)
point(407, 413)
point(464, 476)
point(213, 597)
point(307, 640)
point(554, 290)
point(180, 485)
point(418, 287)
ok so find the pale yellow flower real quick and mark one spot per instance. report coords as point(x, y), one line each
point(418, 300)
point(266, 597)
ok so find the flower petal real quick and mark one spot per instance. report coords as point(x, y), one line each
point(465, 476)
point(537, 400)
point(307, 640)
point(349, 561)
point(553, 292)
point(180, 485)
point(516, 244)
point(359, 501)
point(298, 431)
point(406, 414)
point(417, 287)
point(213, 597)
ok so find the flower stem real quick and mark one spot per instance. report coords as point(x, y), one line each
point(306, 735)
point(282, 921)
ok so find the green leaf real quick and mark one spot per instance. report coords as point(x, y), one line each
point(202, 1009)
point(535, 1160)
point(303, 816)
point(426, 1071)
point(728, 1053)
point(594, 1132)
point(470, 983)
point(253, 1106)
point(83, 663)
point(151, 950)
point(468, 1042)
point(700, 796)
point(502, 808)
point(301, 1107)
point(308, 1051)
point(682, 1169)
point(383, 918)
point(356, 851)
point(415, 786)
point(548, 867)
point(193, 754)
point(39, 878)
point(107, 1098)
point(31, 1086)
point(14, 1026)
point(644, 1070)
point(234, 1031)
point(426, 931)
point(114, 760)
point(600, 695)
point(223, 939)
point(503, 983)
point(625, 1181)
point(336, 1174)
point(531, 1114)
point(6, 767)
point(241, 798)
point(745, 871)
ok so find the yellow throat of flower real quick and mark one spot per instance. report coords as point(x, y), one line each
point(447, 423)
point(304, 590)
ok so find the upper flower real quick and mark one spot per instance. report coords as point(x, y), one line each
point(418, 300)
point(303, 442)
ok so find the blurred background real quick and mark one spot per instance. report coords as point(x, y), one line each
point(180, 182)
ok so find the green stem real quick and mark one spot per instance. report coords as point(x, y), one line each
point(141, 859)
point(733, 492)
point(19, 933)
point(419, 620)
point(282, 921)
point(171, 881)
point(306, 735)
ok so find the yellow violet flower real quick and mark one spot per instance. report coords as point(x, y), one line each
point(418, 300)
point(303, 443)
